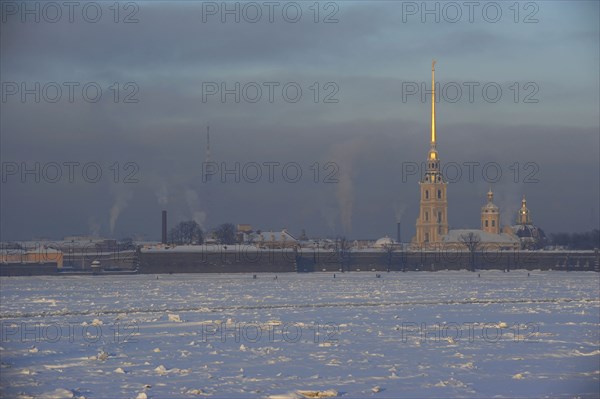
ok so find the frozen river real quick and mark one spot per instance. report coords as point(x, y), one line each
point(404, 335)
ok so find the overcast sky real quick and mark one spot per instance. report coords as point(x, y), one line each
point(356, 121)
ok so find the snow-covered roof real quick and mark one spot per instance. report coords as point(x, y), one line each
point(528, 231)
point(277, 236)
point(202, 248)
point(40, 250)
point(383, 241)
point(454, 236)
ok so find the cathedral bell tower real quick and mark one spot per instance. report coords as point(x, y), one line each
point(432, 222)
point(523, 216)
point(490, 215)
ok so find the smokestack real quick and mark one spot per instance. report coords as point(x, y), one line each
point(164, 227)
point(399, 233)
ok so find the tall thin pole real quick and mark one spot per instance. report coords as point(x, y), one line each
point(433, 103)
point(207, 176)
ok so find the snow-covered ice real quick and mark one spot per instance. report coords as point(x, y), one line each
point(412, 335)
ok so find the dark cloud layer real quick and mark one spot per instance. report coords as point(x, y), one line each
point(370, 133)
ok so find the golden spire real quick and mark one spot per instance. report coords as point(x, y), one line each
point(433, 103)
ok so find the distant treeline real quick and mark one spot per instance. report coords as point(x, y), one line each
point(190, 232)
point(587, 240)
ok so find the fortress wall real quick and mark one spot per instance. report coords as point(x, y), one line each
point(277, 261)
point(215, 262)
point(108, 260)
point(452, 260)
point(28, 269)
point(312, 261)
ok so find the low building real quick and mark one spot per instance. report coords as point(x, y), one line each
point(244, 228)
point(385, 243)
point(274, 239)
point(42, 255)
point(242, 231)
point(488, 237)
point(483, 240)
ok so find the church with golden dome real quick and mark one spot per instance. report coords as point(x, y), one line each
point(432, 230)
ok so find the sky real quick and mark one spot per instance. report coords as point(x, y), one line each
point(319, 114)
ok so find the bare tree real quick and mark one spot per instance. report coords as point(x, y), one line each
point(389, 251)
point(342, 248)
point(303, 236)
point(471, 241)
point(226, 233)
point(187, 233)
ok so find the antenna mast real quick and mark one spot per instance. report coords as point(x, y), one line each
point(207, 177)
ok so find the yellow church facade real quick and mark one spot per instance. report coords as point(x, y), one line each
point(432, 231)
point(432, 222)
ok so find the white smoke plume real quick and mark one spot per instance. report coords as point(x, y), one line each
point(193, 202)
point(93, 227)
point(162, 195)
point(508, 198)
point(122, 198)
point(344, 155)
point(399, 209)
point(329, 214)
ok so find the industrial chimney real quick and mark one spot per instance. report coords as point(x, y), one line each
point(399, 233)
point(164, 227)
